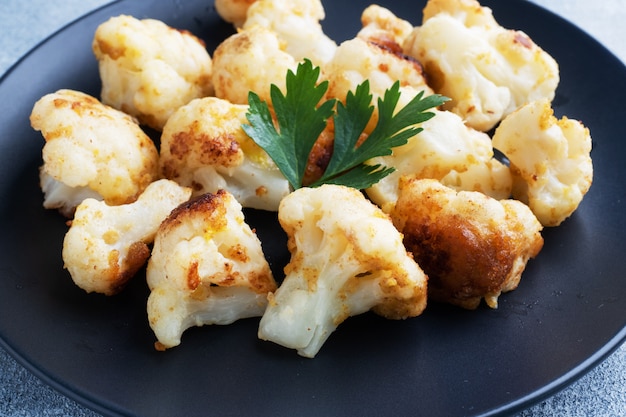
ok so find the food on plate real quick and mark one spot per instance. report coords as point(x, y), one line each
point(106, 245)
point(346, 258)
point(207, 267)
point(488, 71)
point(203, 146)
point(449, 151)
point(91, 150)
point(297, 25)
point(250, 60)
point(375, 56)
point(471, 246)
point(389, 192)
point(550, 160)
point(149, 69)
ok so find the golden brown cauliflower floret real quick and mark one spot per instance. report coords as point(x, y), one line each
point(383, 27)
point(91, 150)
point(207, 267)
point(358, 59)
point(446, 150)
point(488, 71)
point(233, 11)
point(346, 258)
point(550, 160)
point(204, 147)
point(106, 245)
point(297, 25)
point(149, 69)
point(250, 60)
point(471, 246)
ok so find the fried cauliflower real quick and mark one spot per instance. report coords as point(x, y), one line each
point(250, 60)
point(358, 59)
point(383, 27)
point(207, 267)
point(488, 71)
point(91, 150)
point(297, 25)
point(106, 245)
point(446, 150)
point(149, 69)
point(471, 246)
point(204, 147)
point(550, 160)
point(346, 258)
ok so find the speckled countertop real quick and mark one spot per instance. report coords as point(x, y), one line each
point(23, 24)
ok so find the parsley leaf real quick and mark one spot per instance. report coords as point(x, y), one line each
point(301, 119)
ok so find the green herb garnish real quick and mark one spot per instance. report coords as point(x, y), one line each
point(301, 120)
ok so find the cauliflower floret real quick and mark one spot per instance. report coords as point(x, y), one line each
point(250, 60)
point(207, 267)
point(446, 150)
point(346, 258)
point(149, 69)
point(487, 70)
point(297, 25)
point(550, 160)
point(357, 60)
point(106, 245)
point(91, 150)
point(203, 146)
point(471, 246)
point(383, 27)
point(233, 11)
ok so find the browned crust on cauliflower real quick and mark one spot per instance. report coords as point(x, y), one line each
point(471, 246)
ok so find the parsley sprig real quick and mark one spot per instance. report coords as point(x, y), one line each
point(300, 120)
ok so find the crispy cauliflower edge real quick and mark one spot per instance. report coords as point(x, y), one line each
point(106, 245)
point(470, 245)
point(203, 146)
point(346, 258)
point(91, 150)
point(207, 267)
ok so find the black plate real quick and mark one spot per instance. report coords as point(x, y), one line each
point(567, 315)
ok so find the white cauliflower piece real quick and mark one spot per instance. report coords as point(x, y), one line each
point(471, 246)
point(297, 25)
point(106, 245)
point(250, 60)
point(357, 60)
point(91, 150)
point(346, 258)
point(207, 267)
point(233, 11)
point(383, 27)
point(446, 150)
point(550, 160)
point(487, 71)
point(149, 69)
point(204, 147)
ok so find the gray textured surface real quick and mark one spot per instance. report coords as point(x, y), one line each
point(23, 24)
